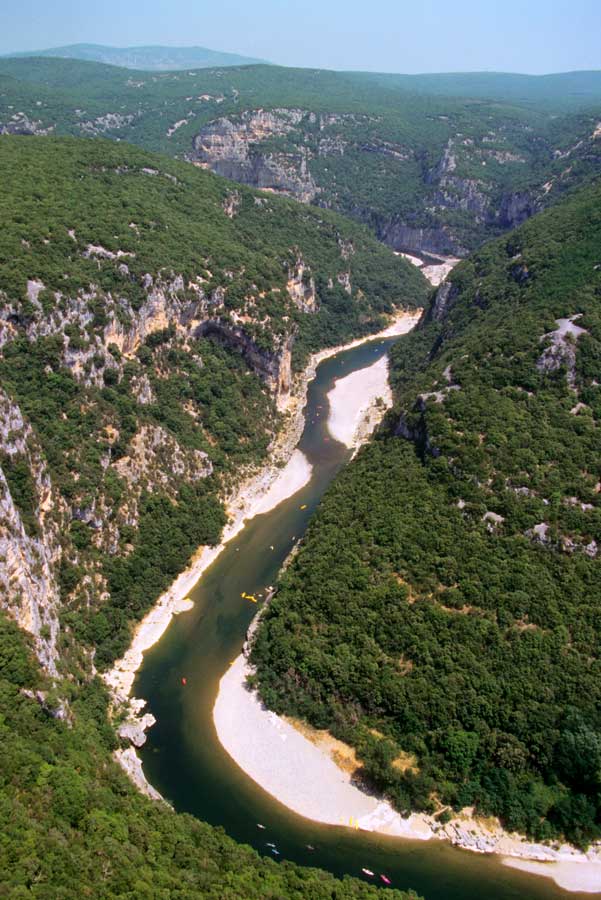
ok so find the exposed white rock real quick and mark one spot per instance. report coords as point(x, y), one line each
point(28, 561)
point(562, 348)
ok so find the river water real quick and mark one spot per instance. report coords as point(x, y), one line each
point(183, 758)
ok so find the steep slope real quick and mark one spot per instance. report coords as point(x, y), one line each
point(428, 172)
point(151, 320)
point(78, 829)
point(153, 58)
point(443, 612)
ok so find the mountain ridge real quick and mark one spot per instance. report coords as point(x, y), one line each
point(426, 173)
point(151, 57)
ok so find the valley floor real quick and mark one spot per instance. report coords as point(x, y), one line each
point(286, 471)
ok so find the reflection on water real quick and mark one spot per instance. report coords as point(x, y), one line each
point(183, 758)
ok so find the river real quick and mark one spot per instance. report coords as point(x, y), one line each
point(183, 758)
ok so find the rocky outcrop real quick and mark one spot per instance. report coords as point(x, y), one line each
point(155, 460)
point(301, 286)
point(463, 194)
point(231, 138)
point(20, 123)
point(229, 146)
point(29, 556)
point(561, 351)
point(109, 122)
point(273, 366)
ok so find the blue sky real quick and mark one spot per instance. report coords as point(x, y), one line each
point(380, 35)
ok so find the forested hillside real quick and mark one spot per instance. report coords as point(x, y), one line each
point(427, 170)
point(151, 318)
point(443, 612)
point(74, 826)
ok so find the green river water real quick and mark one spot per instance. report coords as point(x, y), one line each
point(183, 758)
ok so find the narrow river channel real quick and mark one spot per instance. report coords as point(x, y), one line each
point(183, 758)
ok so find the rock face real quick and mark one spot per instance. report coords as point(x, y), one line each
point(31, 548)
point(29, 553)
point(405, 238)
point(301, 286)
point(443, 300)
point(165, 307)
point(274, 367)
point(228, 147)
point(280, 150)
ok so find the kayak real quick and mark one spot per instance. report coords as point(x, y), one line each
point(368, 872)
point(385, 879)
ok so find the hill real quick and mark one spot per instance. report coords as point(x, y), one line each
point(443, 612)
point(153, 58)
point(565, 91)
point(427, 172)
point(152, 316)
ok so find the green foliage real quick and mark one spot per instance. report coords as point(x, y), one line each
point(73, 212)
point(22, 489)
point(78, 828)
point(427, 605)
point(374, 155)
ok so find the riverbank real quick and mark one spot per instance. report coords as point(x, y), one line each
point(298, 773)
point(357, 402)
point(435, 272)
point(285, 472)
point(313, 774)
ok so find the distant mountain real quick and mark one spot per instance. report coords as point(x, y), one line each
point(561, 91)
point(146, 58)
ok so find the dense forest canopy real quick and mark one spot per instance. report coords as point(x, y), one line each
point(113, 260)
point(76, 827)
point(124, 423)
point(443, 612)
point(463, 157)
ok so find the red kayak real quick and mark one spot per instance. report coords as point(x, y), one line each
point(385, 879)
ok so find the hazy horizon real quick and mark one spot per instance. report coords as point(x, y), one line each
point(390, 36)
point(173, 46)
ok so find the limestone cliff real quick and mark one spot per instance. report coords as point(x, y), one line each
point(228, 147)
point(462, 191)
point(30, 524)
